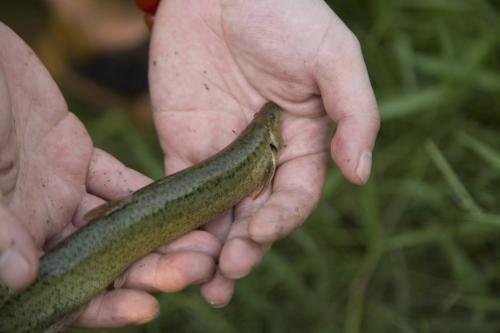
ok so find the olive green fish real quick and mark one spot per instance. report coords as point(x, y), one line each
point(123, 231)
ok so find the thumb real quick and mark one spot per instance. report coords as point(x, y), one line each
point(349, 101)
point(18, 255)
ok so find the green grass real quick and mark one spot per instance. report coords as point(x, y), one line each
point(418, 248)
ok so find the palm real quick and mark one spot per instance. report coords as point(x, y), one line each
point(46, 171)
point(214, 63)
point(46, 151)
point(209, 74)
point(51, 175)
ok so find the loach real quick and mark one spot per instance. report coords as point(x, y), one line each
point(123, 231)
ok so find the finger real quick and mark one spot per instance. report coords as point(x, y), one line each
point(109, 179)
point(171, 272)
point(174, 164)
point(218, 291)
point(119, 308)
point(18, 254)
point(349, 100)
point(195, 241)
point(248, 206)
point(89, 202)
point(219, 227)
point(59, 237)
point(296, 191)
point(240, 253)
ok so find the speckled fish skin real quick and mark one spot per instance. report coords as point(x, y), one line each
point(88, 261)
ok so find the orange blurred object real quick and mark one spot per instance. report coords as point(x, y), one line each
point(98, 53)
point(149, 20)
point(148, 6)
point(102, 26)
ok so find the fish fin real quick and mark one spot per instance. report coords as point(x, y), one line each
point(102, 210)
point(259, 191)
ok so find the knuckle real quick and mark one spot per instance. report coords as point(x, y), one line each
point(351, 42)
point(210, 243)
point(374, 117)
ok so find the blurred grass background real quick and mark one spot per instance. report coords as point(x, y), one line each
point(415, 250)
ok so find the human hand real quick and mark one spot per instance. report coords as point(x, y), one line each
point(213, 63)
point(51, 175)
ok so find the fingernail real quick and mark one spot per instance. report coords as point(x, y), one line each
point(147, 319)
point(201, 281)
point(217, 306)
point(13, 268)
point(364, 166)
point(237, 276)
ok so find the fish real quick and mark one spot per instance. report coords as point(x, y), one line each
point(121, 232)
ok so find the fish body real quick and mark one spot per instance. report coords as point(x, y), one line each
point(88, 261)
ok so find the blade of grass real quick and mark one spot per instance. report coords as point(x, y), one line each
point(428, 236)
point(404, 105)
point(488, 154)
point(482, 227)
point(284, 273)
point(465, 273)
point(435, 5)
point(143, 153)
point(406, 57)
point(442, 68)
point(486, 218)
point(458, 188)
point(357, 290)
point(202, 318)
point(400, 323)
